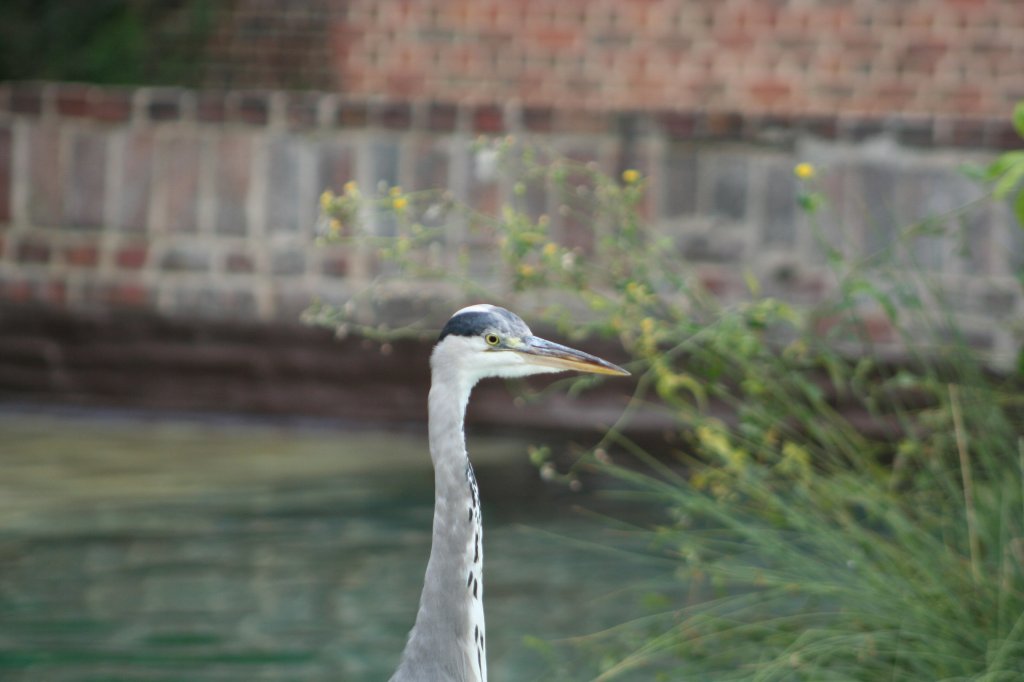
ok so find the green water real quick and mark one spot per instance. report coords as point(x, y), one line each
point(141, 548)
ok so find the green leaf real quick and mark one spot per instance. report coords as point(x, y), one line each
point(1003, 163)
point(1018, 209)
point(973, 171)
point(810, 201)
point(1018, 118)
point(539, 645)
point(1010, 179)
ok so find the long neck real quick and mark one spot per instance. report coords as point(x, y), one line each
point(447, 641)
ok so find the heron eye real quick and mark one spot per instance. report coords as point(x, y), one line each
point(492, 339)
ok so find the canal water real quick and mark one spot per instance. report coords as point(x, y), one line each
point(137, 547)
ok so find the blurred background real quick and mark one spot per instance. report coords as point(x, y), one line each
point(198, 486)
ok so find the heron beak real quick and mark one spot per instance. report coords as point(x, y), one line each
point(539, 351)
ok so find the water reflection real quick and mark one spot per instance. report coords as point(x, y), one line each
point(156, 549)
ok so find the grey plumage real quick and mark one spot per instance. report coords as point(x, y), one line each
point(448, 641)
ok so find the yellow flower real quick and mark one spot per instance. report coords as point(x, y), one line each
point(713, 440)
point(526, 270)
point(399, 203)
point(351, 187)
point(630, 176)
point(719, 490)
point(395, 191)
point(325, 199)
point(804, 171)
point(637, 292)
point(699, 480)
point(796, 461)
point(550, 249)
point(335, 226)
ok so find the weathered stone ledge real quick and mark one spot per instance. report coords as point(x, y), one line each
point(148, 362)
point(319, 110)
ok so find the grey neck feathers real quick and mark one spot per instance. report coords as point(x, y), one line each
point(447, 641)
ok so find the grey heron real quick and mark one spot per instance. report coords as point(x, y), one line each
point(446, 643)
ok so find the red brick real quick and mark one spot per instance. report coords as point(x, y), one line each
point(555, 38)
point(965, 99)
point(33, 251)
point(131, 257)
point(252, 108)
point(821, 126)
point(1003, 135)
point(442, 117)
point(539, 119)
point(83, 255)
point(239, 263)
point(393, 115)
point(583, 121)
point(769, 92)
point(488, 119)
point(335, 265)
point(892, 96)
point(922, 57)
point(352, 114)
point(405, 84)
point(54, 292)
point(734, 39)
point(678, 125)
point(72, 100)
point(164, 104)
point(655, 77)
point(128, 294)
point(110, 105)
point(16, 290)
point(724, 124)
point(654, 55)
point(27, 98)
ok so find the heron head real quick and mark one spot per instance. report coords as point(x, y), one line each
point(488, 341)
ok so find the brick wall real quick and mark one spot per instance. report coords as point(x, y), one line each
point(200, 206)
point(271, 44)
point(782, 57)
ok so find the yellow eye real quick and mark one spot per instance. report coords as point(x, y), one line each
point(492, 339)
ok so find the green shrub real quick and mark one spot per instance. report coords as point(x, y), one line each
point(832, 514)
point(104, 41)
